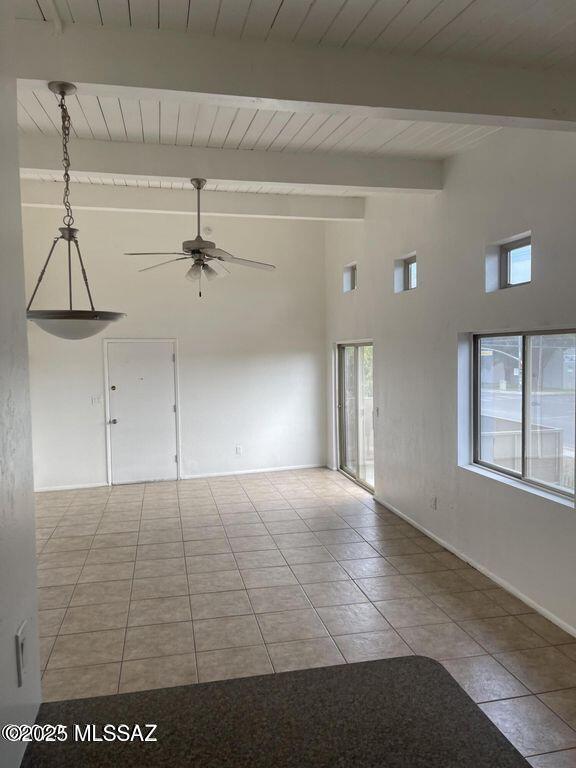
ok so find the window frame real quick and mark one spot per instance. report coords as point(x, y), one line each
point(407, 264)
point(476, 405)
point(505, 250)
point(352, 270)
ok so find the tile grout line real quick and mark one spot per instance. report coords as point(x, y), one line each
point(130, 596)
point(264, 644)
point(189, 595)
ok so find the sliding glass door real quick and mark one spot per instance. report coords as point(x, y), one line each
point(355, 411)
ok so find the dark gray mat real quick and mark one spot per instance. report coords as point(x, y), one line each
point(395, 713)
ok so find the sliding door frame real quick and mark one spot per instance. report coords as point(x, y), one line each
point(340, 411)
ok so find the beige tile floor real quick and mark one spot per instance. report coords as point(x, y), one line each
point(163, 584)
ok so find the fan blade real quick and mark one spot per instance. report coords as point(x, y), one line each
point(218, 253)
point(219, 267)
point(182, 258)
point(212, 273)
point(156, 253)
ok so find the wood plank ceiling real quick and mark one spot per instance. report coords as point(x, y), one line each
point(533, 33)
point(202, 124)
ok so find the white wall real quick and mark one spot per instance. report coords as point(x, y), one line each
point(17, 556)
point(251, 351)
point(515, 182)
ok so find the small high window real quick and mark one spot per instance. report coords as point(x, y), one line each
point(405, 273)
point(516, 263)
point(410, 273)
point(349, 278)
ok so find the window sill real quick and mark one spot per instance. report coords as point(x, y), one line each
point(519, 484)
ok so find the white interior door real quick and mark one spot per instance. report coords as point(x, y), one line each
point(142, 410)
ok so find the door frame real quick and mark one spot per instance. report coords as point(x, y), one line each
point(337, 409)
point(105, 343)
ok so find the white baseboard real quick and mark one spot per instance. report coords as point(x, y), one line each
point(187, 477)
point(479, 567)
point(253, 471)
point(69, 487)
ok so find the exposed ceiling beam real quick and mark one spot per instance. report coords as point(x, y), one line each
point(57, 22)
point(367, 175)
point(41, 194)
point(282, 76)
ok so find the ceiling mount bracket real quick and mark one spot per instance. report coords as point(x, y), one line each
point(60, 88)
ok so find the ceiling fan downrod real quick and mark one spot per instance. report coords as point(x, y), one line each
point(198, 185)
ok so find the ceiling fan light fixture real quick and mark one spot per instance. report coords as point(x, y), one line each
point(211, 273)
point(194, 272)
point(68, 323)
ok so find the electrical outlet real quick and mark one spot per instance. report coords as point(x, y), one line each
point(21, 652)
point(238, 450)
point(434, 502)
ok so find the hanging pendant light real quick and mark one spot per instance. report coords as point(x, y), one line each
point(68, 323)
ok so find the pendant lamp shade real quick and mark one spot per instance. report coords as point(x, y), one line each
point(68, 323)
point(72, 324)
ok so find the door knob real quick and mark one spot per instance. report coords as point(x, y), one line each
point(113, 421)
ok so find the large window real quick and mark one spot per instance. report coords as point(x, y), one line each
point(524, 406)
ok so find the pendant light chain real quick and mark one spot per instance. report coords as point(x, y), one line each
point(66, 125)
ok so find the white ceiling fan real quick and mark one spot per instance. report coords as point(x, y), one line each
point(203, 253)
